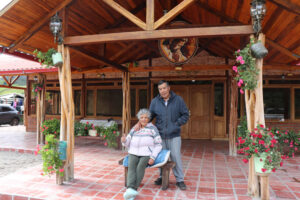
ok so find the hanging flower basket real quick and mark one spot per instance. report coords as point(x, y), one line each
point(259, 162)
point(36, 87)
point(258, 50)
point(49, 58)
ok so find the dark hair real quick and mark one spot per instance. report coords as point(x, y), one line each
point(162, 82)
point(174, 43)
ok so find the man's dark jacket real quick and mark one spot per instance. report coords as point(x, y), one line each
point(169, 118)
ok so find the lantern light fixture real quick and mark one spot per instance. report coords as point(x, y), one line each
point(258, 11)
point(56, 27)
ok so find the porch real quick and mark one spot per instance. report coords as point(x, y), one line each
point(210, 173)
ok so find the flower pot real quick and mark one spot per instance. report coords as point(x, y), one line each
point(258, 50)
point(93, 133)
point(57, 59)
point(259, 163)
point(62, 149)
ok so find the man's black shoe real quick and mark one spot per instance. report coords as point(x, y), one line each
point(181, 185)
point(158, 181)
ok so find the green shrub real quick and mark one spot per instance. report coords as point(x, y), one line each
point(110, 135)
point(51, 127)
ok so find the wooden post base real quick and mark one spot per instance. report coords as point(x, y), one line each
point(264, 186)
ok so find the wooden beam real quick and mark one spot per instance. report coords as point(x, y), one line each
point(15, 79)
point(126, 13)
point(6, 81)
point(288, 5)
point(37, 26)
point(281, 49)
point(173, 13)
point(150, 15)
point(229, 19)
point(100, 59)
point(6, 8)
point(12, 87)
point(159, 34)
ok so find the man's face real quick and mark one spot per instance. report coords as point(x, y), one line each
point(164, 90)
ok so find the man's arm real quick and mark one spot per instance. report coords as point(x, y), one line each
point(184, 113)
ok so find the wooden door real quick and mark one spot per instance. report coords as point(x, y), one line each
point(183, 91)
point(200, 112)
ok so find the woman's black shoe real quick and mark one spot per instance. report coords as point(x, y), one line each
point(158, 181)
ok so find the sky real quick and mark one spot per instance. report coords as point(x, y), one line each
point(3, 3)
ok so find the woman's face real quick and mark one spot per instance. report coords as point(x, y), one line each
point(144, 120)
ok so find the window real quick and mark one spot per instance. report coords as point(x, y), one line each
point(297, 103)
point(52, 102)
point(90, 103)
point(32, 101)
point(219, 99)
point(143, 98)
point(6, 109)
point(77, 102)
point(277, 103)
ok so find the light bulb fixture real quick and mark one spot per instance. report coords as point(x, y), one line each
point(282, 76)
point(258, 11)
point(35, 78)
point(103, 75)
point(56, 27)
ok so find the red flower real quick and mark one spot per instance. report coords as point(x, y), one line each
point(50, 167)
point(253, 143)
point(281, 163)
point(261, 142)
point(263, 170)
point(267, 150)
point(246, 148)
point(255, 150)
point(260, 160)
point(296, 148)
point(273, 170)
point(105, 144)
point(61, 170)
point(35, 152)
point(273, 141)
point(259, 135)
point(262, 126)
point(87, 122)
point(245, 160)
point(114, 132)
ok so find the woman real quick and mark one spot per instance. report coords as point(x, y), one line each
point(143, 147)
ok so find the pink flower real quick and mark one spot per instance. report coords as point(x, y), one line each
point(263, 170)
point(296, 148)
point(105, 144)
point(87, 122)
point(238, 51)
point(239, 84)
point(261, 142)
point(281, 163)
point(234, 68)
point(242, 62)
point(241, 81)
point(50, 167)
point(245, 160)
point(61, 170)
point(35, 152)
point(241, 91)
point(114, 132)
point(239, 58)
point(261, 126)
point(42, 174)
point(255, 150)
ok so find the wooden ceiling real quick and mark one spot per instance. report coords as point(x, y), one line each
point(25, 27)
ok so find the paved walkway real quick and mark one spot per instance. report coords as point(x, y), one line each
point(209, 174)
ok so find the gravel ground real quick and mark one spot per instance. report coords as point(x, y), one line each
point(14, 161)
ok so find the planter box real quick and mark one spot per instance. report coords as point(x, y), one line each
point(93, 133)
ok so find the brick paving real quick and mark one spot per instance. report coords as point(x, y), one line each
point(209, 174)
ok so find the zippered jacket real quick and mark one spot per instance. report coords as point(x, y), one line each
point(145, 142)
point(169, 118)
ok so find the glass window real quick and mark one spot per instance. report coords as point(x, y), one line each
point(143, 98)
point(6, 109)
point(90, 102)
point(132, 102)
point(277, 103)
point(109, 102)
point(53, 102)
point(297, 103)
point(219, 99)
point(32, 101)
point(77, 102)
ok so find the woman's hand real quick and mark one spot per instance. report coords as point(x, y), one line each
point(123, 138)
point(151, 161)
point(137, 126)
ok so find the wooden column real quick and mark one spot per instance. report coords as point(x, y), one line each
point(40, 108)
point(126, 115)
point(67, 113)
point(255, 116)
point(233, 116)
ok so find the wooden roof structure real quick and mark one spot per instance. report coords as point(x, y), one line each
point(25, 27)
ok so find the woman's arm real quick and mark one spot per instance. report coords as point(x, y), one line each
point(157, 144)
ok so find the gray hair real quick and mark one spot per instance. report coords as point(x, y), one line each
point(142, 112)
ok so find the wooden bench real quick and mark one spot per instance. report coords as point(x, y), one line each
point(166, 168)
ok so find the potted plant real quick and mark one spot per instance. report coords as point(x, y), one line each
point(245, 71)
point(263, 144)
point(49, 58)
point(36, 87)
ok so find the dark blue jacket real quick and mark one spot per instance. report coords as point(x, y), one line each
point(169, 118)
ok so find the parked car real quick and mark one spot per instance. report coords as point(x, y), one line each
point(9, 115)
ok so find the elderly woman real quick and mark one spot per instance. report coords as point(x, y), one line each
point(143, 147)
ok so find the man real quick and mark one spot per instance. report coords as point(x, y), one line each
point(171, 113)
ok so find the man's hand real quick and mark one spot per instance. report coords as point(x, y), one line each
point(123, 138)
point(137, 126)
point(151, 161)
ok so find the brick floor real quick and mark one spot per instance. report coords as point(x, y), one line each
point(209, 173)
